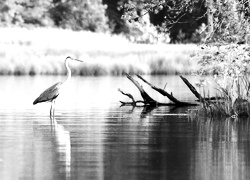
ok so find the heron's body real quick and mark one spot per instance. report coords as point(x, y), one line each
point(50, 94)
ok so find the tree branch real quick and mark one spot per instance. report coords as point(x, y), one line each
point(147, 99)
point(164, 93)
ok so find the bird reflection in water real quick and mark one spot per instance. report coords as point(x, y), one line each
point(63, 148)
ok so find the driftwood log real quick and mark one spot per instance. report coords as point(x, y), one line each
point(149, 101)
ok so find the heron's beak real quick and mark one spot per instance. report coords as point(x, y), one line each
point(77, 60)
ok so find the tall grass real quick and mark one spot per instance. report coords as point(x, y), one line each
point(42, 51)
point(230, 62)
point(232, 99)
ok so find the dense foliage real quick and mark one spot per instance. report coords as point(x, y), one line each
point(181, 20)
point(178, 19)
point(80, 15)
point(226, 53)
point(225, 48)
point(76, 15)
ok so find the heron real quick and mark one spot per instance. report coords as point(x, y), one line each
point(50, 94)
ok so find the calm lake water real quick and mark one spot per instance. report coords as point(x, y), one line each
point(95, 138)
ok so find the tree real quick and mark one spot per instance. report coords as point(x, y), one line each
point(114, 12)
point(35, 12)
point(210, 16)
point(80, 15)
point(24, 12)
point(181, 18)
point(9, 12)
point(73, 14)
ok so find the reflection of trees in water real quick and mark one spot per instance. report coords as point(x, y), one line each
point(156, 144)
point(148, 144)
point(223, 149)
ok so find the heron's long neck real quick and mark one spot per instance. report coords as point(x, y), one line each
point(68, 72)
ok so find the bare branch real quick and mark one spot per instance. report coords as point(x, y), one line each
point(147, 99)
point(164, 93)
point(127, 94)
point(192, 88)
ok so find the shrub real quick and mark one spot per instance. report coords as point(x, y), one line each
point(80, 15)
point(229, 63)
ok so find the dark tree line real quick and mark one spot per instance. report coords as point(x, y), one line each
point(180, 18)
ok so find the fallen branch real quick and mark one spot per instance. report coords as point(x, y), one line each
point(129, 95)
point(149, 101)
point(133, 103)
point(196, 93)
point(192, 88)
point(164, 93)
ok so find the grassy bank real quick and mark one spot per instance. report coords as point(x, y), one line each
point(231, 100)
point(42, 51)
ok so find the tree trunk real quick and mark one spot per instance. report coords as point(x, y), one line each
point(210, 21)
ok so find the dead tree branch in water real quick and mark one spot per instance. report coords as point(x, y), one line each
point(196, 93)
point(133, 103)
point(164, 93)
point(192, 89)
point(149, 101)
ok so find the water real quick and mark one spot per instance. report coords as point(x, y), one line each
point(95, 138)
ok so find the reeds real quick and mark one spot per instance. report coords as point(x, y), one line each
point(230, 63)
point(232, 99)
point(42, 51)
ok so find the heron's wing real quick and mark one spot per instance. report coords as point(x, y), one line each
point(49, 94)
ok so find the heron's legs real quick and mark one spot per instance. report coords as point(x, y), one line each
point(52, 111)
point(54, 108)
